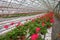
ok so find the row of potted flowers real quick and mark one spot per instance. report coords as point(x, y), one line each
point(30, 30)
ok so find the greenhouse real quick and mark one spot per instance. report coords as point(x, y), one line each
point(29, 19)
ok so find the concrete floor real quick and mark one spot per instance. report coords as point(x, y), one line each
point(56, 29)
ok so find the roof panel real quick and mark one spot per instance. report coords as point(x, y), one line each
point(29, 5)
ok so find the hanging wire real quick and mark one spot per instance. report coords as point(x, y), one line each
point(1, 7)
point(20, 3)
point(41, 2)
point(8, 5)
point(10, 2)
point(31, 3)
point(49, 4)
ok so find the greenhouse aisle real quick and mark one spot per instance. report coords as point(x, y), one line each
point(56, 30)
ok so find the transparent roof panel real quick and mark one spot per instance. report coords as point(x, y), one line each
point(27, 5)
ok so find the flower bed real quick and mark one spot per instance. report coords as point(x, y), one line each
point(31, 30)
point(18, 14)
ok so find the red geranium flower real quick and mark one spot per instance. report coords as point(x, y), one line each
point(41, 17)
point(38, 29)
point(12, 23)
point(33, 20)
point(34, 37)
point(43, 24)
point(51, 14)
point(47, 18)
point(52, 20)
point(6, 26)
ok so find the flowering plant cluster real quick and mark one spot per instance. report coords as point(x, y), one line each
point(32, 29)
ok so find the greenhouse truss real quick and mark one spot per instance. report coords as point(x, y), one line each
point(28, 19)
point(6, 6)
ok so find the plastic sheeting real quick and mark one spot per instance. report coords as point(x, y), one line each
point(14, 6)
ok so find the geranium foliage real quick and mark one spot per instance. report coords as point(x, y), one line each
point(34, 28)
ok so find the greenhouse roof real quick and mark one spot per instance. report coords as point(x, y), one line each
point(26, 5)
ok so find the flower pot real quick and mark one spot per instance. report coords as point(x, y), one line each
point(18, 38)
point(23, 37)
point(11, 39)
point(42, 33)
point(48, 27)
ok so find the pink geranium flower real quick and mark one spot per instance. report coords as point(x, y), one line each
point(12, 23)
point(38, 29)
point(37, 16)
point(34, 37)
point(6, 26)
point(18, 24)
